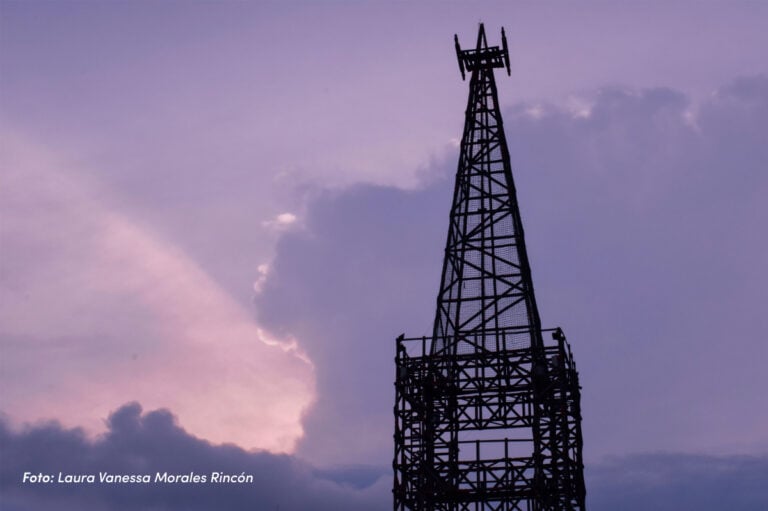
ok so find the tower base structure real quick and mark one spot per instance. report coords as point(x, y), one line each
point(489, 427)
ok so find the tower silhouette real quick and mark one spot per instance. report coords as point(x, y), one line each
point(487, 412)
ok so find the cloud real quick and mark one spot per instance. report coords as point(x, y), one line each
point(646, 238)
point(147, 443)
point(142, 443)
point(97, 309)
point(281, 221)
point(673, 481)
point(360, 273)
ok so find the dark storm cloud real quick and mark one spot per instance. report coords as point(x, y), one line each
point(147, 443)
point(644, 218)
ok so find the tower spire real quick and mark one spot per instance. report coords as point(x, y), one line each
point(486, 280)
point(487, 414)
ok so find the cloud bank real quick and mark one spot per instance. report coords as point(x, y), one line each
point(671, 481)
point(147, 443)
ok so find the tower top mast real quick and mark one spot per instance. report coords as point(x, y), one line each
point(483, 56)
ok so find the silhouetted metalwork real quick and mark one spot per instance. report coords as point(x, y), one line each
point(487, 413)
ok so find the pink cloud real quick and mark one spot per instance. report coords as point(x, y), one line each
point(98, 310)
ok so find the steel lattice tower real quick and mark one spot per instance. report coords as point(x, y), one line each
point(487, 413)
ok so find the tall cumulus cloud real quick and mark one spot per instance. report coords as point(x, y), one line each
point(645, 221)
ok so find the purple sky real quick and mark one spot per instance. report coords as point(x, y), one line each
point(229, 210)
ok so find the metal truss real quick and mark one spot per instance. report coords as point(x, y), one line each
point(491, 429)
point(487, 414)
